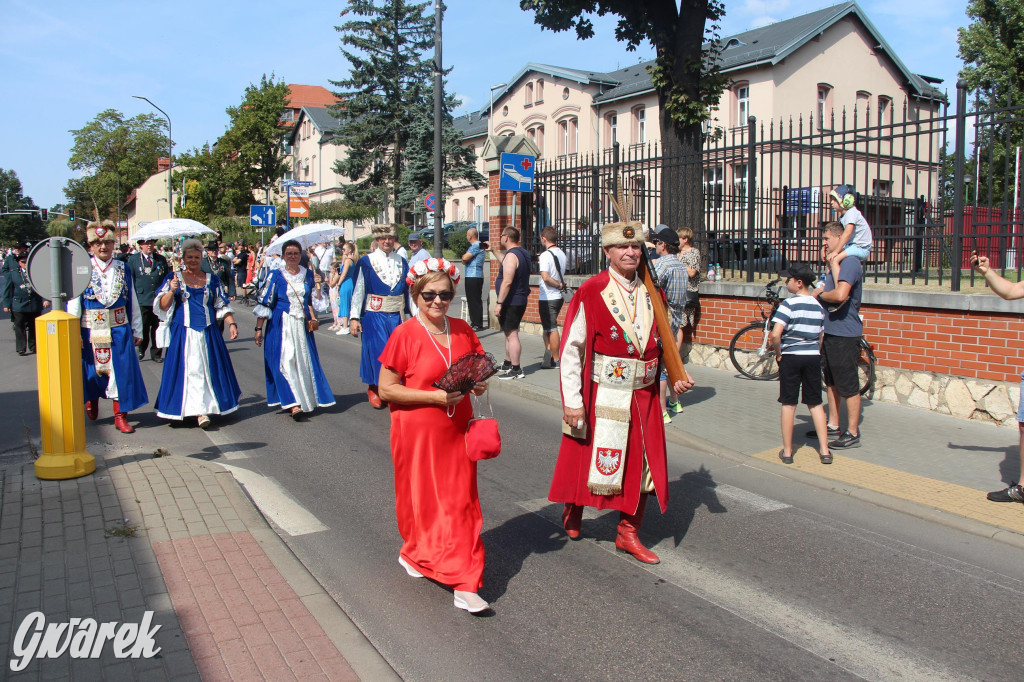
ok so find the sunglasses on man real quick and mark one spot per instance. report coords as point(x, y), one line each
point(445, 296)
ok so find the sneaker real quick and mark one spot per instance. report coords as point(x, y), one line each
point(666, 417)
point(503, 370)
point(512, 373)
point(833, 432)
point(847, 440)
point(343, 331)
point(673, 408)
point(1015, 493)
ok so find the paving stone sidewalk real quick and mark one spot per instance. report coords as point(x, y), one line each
point(178, 537)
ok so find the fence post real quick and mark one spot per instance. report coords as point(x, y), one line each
point(751, 175)
point(958, 184)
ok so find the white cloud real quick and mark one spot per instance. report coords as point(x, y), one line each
point(467, 104)
point(762, 21)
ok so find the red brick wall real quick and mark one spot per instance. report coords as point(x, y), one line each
point(979, 345)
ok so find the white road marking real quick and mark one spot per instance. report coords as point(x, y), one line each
point(276, 502)
point(225, 445)
point(855, 650)
point(758, 502)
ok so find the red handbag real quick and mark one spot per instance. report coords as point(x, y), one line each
point(483, 440)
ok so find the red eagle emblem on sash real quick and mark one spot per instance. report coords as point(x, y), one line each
point(376, 303)
point(102, 355)
point(608, 460)
point(120, 316)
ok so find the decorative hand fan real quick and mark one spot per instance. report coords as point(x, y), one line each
point(470, 369)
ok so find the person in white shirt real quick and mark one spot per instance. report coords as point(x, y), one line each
point(552, 262)
point(418, 252)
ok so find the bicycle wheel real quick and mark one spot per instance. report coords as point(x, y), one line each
point(865, 368)
point(750, 354)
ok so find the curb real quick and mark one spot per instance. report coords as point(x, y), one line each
point(362, 656)
point(694, 442)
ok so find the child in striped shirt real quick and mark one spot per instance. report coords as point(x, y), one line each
point(798, 326)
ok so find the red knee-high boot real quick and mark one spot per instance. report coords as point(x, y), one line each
point(627, 540)
point(572, 517)
point(121, 420)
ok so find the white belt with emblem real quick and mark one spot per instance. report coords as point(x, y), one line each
point(385, 304)
point(616, 380)
point(99, 322)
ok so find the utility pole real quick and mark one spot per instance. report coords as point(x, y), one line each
point(438, 197)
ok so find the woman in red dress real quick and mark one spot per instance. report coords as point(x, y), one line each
point(436, 497)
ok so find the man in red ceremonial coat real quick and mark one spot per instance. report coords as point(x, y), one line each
point(613, 451)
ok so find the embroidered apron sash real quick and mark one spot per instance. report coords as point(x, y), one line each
point(616, 380)
point(100, 322)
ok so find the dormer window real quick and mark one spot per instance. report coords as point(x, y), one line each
point(734, 42)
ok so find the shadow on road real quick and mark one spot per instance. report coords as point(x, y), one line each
point(510, 544)
point(692, 491)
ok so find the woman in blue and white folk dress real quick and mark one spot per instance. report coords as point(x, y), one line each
point(198, 378)
point(295, 379)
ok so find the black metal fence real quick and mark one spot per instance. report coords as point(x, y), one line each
point(916, 196)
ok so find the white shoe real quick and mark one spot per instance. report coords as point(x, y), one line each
point(343, 332)
point(409, 569)
point(470, 601)
point(204, 421)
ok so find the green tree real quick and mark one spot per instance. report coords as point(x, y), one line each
point(224, 188)
point(685, 75)
point(254, 136)
point(115, 155)
point(340, 210)
point(17, 228)
point(458, 162)
point(197, 200)
point(386, 47)
point(992, 48)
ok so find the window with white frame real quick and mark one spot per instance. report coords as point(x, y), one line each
point(739, 184)
point(713, 188)
point(567, 134)
point(288, 115)
point(538, 132)
point(742, 104)
point(884, 110)
point(640, 118)
point(528, 90)
point(538, 93)
point(824, 106)
point(613, 129)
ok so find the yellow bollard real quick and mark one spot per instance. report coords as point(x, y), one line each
point(61, 409)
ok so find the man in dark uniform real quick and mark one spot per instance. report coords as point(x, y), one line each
point(23, 303)
point(148, 269)
point(11, 260)
point(220, 266)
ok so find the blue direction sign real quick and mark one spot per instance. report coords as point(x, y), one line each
point(261, 216)
point(517, 172)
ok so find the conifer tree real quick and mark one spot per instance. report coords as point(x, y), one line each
point(386, 45)
point(458, 162)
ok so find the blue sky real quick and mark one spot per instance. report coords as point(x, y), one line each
point(64, 62)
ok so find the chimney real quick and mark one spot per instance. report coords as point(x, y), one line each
point(162, 164)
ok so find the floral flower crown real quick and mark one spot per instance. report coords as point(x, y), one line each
point(432, 265)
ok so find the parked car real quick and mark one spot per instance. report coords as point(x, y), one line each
point(731, 254)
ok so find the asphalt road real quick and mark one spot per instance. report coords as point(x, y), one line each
point(761, 577)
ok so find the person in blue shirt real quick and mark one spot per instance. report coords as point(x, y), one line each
point(474, 278)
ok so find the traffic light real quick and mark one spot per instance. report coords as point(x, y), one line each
point(71, 214)
point(43, 214)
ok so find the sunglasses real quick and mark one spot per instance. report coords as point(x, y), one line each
point(445, 296)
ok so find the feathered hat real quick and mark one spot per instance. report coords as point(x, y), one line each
point(624, 231)
point(101, 232)
point(432, 265)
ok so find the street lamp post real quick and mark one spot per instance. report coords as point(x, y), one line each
point(170, 162)
point(490, 117)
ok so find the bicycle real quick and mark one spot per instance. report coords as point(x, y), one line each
point(752, 356)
